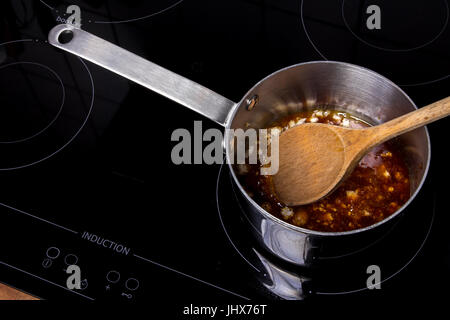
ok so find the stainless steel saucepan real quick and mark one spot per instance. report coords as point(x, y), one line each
point(351, 88)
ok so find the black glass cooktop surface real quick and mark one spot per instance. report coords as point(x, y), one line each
point(86, 170)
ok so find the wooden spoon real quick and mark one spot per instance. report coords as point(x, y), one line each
point(314, 158)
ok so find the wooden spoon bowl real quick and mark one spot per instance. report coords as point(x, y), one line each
point(314, 158)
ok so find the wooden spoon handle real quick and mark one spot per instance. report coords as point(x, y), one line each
point(410, 121)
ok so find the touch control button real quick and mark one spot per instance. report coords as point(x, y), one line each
point(70, 259)
point(132, 284)
point(47, 263)
point(53, 252)
point(113, 276)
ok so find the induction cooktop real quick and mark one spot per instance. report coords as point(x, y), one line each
point(85, 167)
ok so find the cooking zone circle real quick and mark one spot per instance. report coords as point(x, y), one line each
point(408, 34)
point(426, 20)
point(112, 11)
point(15, 82)
point(43, 110)
point(343, 274)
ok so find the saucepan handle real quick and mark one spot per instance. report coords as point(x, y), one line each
point(141, 71)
